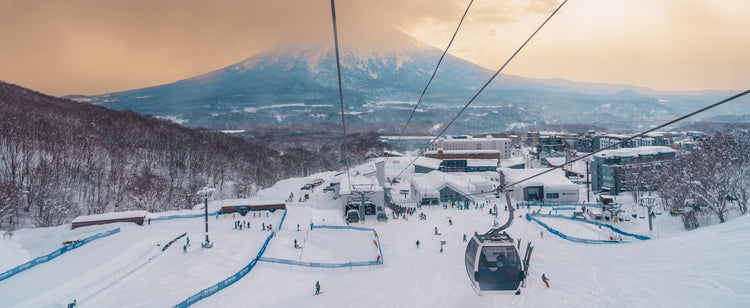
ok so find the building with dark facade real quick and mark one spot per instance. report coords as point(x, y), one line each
point(606, 165)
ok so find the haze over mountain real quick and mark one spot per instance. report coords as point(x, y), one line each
point(295, 83)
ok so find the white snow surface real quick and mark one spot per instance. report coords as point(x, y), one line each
point(706, 267)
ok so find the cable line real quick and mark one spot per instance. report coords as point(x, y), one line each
point(434, 72)
point(341, 93)
point(501, 188)
point(635, 136)
point(489, 81)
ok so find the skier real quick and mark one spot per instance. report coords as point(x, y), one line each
point(436, 231)
point(188, 241)
point(263, 226)
point(317, 287)
point(184, 248)
point(297, 227)
point(545, 279)
point(72, 303)
point(541, 234)
point(450, 221)
point(442, 243)
point(417, 243)
point(464, 237)
point(311, 226)
point(295, 244)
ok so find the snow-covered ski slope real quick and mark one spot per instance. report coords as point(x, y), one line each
point(706, 267)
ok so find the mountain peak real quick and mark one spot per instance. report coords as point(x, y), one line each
point(393, 44)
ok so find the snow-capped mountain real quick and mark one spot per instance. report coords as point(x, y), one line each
point(295, 83)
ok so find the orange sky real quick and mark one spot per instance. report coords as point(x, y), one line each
point(97, 46)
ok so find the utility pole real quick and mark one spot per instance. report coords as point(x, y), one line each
point(587, 183)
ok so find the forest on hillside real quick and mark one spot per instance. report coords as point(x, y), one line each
point(712, 180)
point(60, 159)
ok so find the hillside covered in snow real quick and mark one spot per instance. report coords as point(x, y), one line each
point(699, 268)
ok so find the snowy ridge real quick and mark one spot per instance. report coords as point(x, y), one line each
point(403, 48)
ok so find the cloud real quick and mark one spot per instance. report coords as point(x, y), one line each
point(99, 46)
point(541, 6)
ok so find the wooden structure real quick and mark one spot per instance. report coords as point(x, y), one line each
point(137, 217)
point(244, 208)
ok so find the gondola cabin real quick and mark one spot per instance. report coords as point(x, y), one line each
point(493, 264)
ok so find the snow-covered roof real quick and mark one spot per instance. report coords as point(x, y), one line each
point(634, 152)
point(556, 161)
point(110, 216)
point(481, 162)
point(240, 202)
point(393, 153)
point(432, 163)
point(430, 184)
point(512, 161)
point(555, 177)
point(358, 182)
point(463, 151)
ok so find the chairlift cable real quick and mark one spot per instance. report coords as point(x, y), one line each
point(341, 94)
point(488, 82)
point(434, 72)
point(636, 136)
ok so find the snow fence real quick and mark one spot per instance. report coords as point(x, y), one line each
point(531, 217)
point(9, 273)
point(232, 279)
point(334, 265)
point(552, 204)
point(183, 216)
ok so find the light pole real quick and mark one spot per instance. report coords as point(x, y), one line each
point(206, 193)
point(588, 182)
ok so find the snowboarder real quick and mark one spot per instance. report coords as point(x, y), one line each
point(545, 279)
point(311, 226)
point(295, 244)
point(317, 287)
point(72, 303)
point(417, 243)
